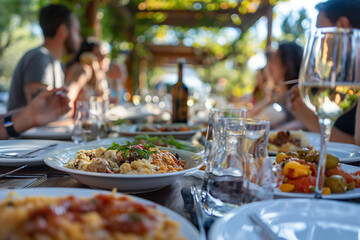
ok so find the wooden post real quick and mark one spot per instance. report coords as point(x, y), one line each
point(92, 17)
point(269, 16)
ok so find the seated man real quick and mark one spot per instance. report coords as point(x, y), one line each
point(40, 68)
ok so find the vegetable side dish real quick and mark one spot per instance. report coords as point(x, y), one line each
point(299, 170)
point(160, 128)
point(103, 216)
point(166, 141)
point(127, 159)
point(284, 141)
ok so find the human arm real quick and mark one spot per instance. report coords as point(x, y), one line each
point(44, 108)
point(33, 89)
point(77, 77)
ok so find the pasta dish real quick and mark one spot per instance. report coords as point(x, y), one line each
point(103, 216)
point(127, 159)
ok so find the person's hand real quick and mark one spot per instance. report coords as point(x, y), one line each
point(48, 106)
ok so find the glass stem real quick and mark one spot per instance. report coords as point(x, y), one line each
point(325, 127)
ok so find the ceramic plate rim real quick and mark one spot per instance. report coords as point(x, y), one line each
point(174, 133)
point(219, 224)
point(84, 192)
point(37, 159)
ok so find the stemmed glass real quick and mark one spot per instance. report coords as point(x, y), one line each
point(329, 81)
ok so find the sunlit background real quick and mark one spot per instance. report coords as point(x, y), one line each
point(149, 35)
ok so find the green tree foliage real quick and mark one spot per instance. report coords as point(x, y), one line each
point(294, 26)
point(14, 14)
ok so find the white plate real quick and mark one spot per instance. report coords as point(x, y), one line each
point(187, 230)
point(131, 113)
point(49, 132)
point(348, 195)
point(347, 153)
point(133, 183)
point(19, 146)
point(293, 219)
point(132, 130)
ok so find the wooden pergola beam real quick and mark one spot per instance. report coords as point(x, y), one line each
point(192, 18)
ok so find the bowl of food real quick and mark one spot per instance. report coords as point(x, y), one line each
point(299, 171)
point(127, 167)
point(73, 213)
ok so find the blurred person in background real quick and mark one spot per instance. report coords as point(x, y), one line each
point(283, 67)
point(90, 65)
point(117, 76)
point(333, 13)
point(46, 107)
point(261, 96)
point(40, 68)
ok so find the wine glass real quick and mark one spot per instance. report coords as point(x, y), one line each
point(329, 81)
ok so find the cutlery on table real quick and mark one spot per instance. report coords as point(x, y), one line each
point(12, 171)
point(26, 154)
point(267, 232)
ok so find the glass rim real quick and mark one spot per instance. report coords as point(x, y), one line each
point(242, 109)
point(255, 120)
point(330, 30)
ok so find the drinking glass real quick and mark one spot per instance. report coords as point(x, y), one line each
point(98, 108)
point(223, 182)
point(86, 123)
point(329, 81)
point(213, 130)
point(259, 179)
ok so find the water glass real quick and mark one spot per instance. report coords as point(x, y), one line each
point(238, 170)
point(222, 188)
point(98, 107)
point(86, 123)
point(213, 129)
point(258, 175)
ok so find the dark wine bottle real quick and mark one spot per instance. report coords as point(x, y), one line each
point(179, 94)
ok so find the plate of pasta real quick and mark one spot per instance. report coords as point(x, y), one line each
point(127, 167)
point(72, 213)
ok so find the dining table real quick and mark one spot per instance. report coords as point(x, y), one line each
point(44, 177)
point(176, 197)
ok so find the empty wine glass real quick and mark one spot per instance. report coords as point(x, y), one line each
point(329, 81)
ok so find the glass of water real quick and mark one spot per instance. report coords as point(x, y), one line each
point(87, 123)
point(223, 182)
point(213, 129)
point(258, 175)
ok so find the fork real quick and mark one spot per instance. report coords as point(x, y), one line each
point(37, 182)
point(12, 171)
point(26, 154)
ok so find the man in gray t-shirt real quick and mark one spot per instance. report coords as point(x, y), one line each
point(40, 68)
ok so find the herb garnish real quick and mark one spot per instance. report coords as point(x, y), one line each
point(164, 140)
point(134, 151)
